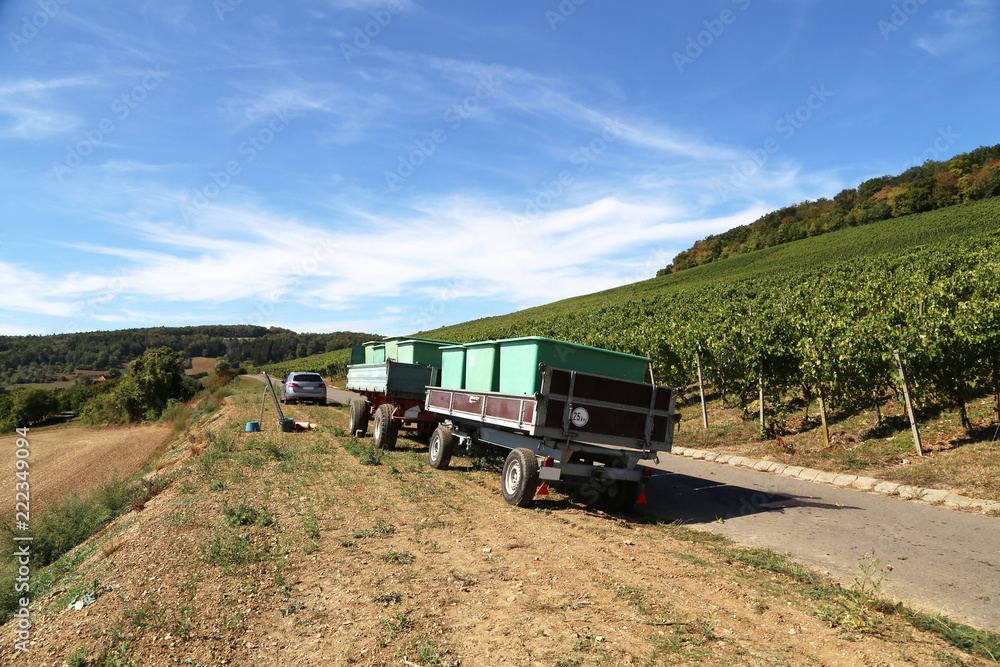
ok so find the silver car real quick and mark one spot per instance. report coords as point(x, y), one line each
point(303, 387)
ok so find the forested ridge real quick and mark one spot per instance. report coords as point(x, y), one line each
point(967, 177)
point(25, 359)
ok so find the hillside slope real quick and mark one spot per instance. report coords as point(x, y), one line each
point(933, 185)
point(888, 237)
point(817, 317)
point(305, 548)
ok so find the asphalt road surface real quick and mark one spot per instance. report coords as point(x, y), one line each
point(942, 560)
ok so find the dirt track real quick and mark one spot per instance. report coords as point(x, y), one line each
point(64, 460)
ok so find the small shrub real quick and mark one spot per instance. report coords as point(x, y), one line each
point(397, 557)
point(386, 599)
point(245, 514)
point(78, 658)
point(382, 529)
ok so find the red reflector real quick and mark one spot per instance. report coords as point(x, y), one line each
point(548, 462)
point(647, 472)
point(642, 499)
point(543, 490)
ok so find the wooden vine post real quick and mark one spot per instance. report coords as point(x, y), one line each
point(760, 389)
point(822, 405)
point(909, 404)
point(822, 414)
point(701, 390)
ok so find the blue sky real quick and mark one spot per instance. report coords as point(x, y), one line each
point(393, 165)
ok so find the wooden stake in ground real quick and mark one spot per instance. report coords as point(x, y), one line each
point(760, 389)
point(701, 390)
point(909, 404)
point(822, 414)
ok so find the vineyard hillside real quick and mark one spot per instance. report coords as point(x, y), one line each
point(819, 317)
point(887, 237)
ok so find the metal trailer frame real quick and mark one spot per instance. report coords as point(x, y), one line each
point(393, 399)
point(583, 427)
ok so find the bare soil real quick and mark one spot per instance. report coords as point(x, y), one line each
point(285, 549)
point(75, 459)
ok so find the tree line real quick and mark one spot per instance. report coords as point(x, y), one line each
point(965, 178)
point(27, 359)
point(153, 383)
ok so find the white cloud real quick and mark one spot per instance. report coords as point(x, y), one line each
point(963, 27)
point(31, 111)
point(454, 248)
point(363, 5)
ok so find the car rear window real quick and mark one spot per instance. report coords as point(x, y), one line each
point(307, 377)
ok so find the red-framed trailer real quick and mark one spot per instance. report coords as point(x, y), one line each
point(393, 396)
point(578, 427)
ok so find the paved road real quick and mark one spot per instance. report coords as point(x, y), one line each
point(942, 560)
point(339, 395)
point(335, 395)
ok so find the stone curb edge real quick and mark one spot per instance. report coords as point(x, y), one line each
point(869, 484)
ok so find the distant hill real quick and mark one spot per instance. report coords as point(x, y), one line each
point(25, 359)
point(967, 177)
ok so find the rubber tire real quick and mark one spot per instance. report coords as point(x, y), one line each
point(385, 429)
point(357, 419)
point(520, 477)
point(322, 401)
point(440, 448)
point(620, 496)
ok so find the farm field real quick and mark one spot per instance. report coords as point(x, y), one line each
point(312, 548)
point(201, 365)
point(75, 459)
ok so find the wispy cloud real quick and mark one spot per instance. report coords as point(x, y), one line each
point(963, 28)
point(366, 4)
point(32, 110)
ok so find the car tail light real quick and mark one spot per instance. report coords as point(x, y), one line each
point(321, 385)
point(293, 384)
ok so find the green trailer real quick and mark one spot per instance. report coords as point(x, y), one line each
point(579, 427)
point(392, 395)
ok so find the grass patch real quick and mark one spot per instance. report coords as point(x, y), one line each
point(976, 642)
point(230, 547)
point(364, 451)
point(382, 529)
point(769, 561)
point(397, 557)
point(247, 514)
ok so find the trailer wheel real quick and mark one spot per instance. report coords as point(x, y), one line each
point(441, 448)
point(520, 477)
point(386, 428)
point(620, 496)
point(358, 417)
